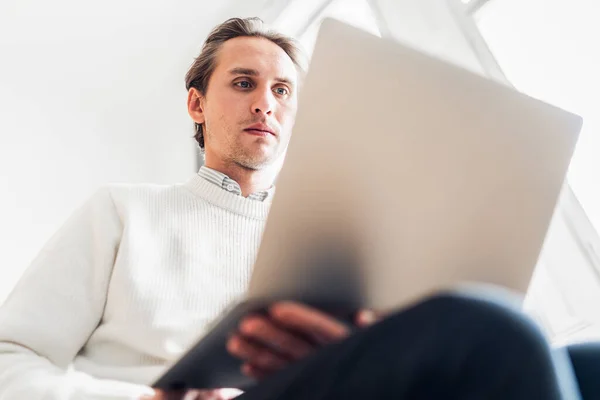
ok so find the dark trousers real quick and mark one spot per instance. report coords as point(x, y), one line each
point(447, 347)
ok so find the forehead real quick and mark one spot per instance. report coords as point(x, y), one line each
point(255, 53)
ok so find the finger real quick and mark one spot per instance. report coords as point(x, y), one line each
point(217, 394)
point(197, 395)
point(264, 331)
point(255, 353)
point(366, 318)
point(255, 372)
point(161, 395)
point(214, 394)
point(229, 393)
point(158, 395)
point(310, 321)
point(203, 395)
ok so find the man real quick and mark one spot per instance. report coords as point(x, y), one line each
point(136, 274)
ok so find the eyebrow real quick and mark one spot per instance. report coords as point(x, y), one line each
point(253, 72)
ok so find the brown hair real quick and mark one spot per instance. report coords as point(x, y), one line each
point(204, 65)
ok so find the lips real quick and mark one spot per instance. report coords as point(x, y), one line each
point(260, 129)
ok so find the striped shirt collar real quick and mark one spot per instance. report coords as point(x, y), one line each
point(228, 184)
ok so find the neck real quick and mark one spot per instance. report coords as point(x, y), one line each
point(250, 180)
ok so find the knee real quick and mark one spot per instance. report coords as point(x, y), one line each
point(453, 318)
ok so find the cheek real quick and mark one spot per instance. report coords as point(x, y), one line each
point(222, 114)
point(234, 109)
point(287, 117)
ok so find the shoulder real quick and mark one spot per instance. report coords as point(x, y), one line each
point(124, 197)
point(124, 191)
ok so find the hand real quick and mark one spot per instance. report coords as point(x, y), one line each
point(217, 394)
point(290, 331)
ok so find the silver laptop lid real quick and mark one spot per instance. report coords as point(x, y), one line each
point(406, 175)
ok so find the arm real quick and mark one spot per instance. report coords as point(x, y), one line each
point(56, 306)
point(289, 332)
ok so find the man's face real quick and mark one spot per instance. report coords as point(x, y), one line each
point(250, 104)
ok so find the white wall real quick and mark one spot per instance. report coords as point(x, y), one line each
point(91, 93)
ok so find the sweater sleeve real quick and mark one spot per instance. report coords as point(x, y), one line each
point(55, 307)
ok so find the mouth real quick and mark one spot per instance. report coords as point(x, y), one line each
point(260, 130)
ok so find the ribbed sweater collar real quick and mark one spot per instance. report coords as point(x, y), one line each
point(227, 200)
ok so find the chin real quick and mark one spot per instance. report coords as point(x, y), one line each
point(252, 161)
point(256, 161)
point(258, 156)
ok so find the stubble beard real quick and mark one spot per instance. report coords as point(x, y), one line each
point(245, 159)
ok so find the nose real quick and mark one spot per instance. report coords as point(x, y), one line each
point(263, 102)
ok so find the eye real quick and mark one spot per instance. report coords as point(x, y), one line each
point(282, 91)
point(244, 84)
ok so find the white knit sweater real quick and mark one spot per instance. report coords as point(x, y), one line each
point(128, 283)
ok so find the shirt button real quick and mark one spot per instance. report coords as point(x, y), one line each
point(230, 187)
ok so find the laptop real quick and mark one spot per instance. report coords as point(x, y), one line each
point(405, 176)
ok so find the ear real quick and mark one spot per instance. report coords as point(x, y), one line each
point(195, 104)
